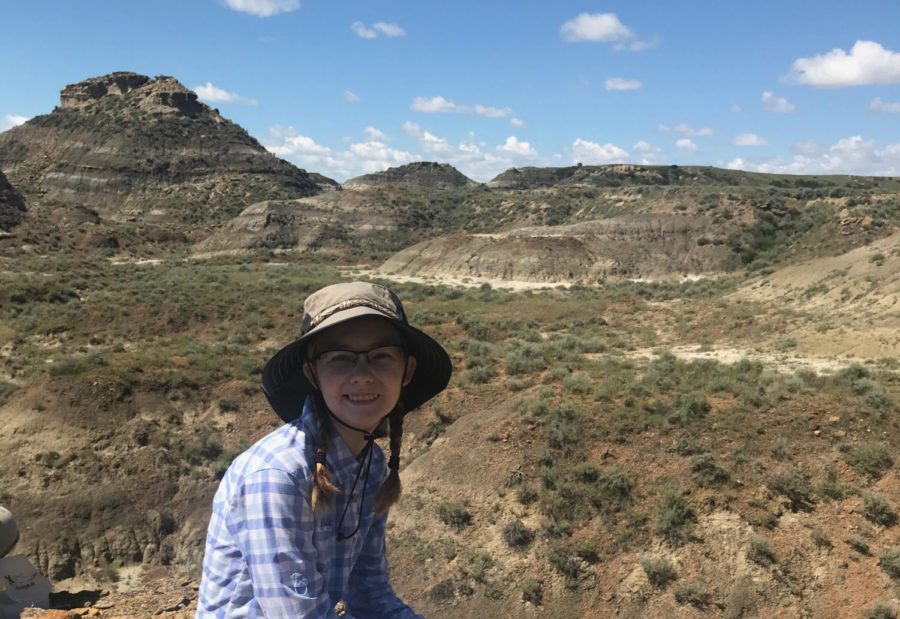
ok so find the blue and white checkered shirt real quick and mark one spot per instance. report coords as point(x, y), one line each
point(268, 555)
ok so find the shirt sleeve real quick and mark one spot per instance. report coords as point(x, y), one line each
point(370, 594)
point(272, 523)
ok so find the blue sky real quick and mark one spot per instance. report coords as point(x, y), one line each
point(353, 86)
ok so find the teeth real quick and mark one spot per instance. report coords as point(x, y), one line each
point(362, 398)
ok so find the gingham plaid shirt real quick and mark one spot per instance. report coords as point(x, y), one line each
point(268, 555)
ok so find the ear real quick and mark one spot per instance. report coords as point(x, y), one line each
point(410, 370)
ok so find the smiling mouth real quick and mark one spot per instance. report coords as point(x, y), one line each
point(362, 398)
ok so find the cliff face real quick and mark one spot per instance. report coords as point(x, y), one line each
point(11, 205)
point(133, 147)
point(653, 246)
point(423, 174)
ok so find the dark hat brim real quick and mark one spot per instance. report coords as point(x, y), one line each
point(286, 386)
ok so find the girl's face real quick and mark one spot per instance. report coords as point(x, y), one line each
point(360, 389)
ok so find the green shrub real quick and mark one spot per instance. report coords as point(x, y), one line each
point(830, 489)
point(675, 519)
point(517, 535)
point(577, 383)
point(659, 570)
point(525, 360)
point(858, 543)
point(6, 390)
point(694, 593)
point(526, 495)
point(819, 538)
point(442, 591)
point(690, 408)
point(532, 591)
point(871, 459)
point(880, 611)
point(877, 510)
point(455, 515)
point(760, 551)
point(611, 490)
point(706, 472)
point(794, 485)
point(889, 561)
point(566, 563)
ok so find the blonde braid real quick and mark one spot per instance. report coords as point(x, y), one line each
point(324, 489)
point(390, 489)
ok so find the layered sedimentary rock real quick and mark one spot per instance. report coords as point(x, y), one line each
point(652, 246)
point(423, 174)
point(134, 147)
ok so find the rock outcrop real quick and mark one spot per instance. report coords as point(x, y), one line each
point(136, 148)
point(648, 246)
point(12, 205)
point(423, 174)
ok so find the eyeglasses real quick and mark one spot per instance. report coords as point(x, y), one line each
point(380, 358)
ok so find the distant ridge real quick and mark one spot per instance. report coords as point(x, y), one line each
point(421, 173)
point(134, 147)
point(12, 205)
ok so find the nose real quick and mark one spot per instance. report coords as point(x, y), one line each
point(361, 370)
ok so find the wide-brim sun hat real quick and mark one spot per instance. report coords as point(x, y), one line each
point(286, 386)
point(9, 532)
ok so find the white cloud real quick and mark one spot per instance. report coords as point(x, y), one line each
point(411, 128)
point(618, 83)
point(749, 139)
point(366, 32)
point(212, 94)
point(264, 8)
point(591, 153)
point(686, 146)
point(516, 122)
point(373, 134)
point(853, 155)
point(647, 154)
point(10, 121)
point(389, 30)
point(441, 105)
point(779, 105)
point(867, 63)
point(891, 107)
point(361, 31)
point(808, 148)
point(735, 108)
point(350, 97)
point(358, 158)
point(686, 130)
point(605, 28)
point(514, 147)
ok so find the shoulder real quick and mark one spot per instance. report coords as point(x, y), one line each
point(288, 450)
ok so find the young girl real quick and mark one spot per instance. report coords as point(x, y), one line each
point(298, 520)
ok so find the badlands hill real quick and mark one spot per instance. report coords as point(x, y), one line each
point(422, 174)
point(139, 149)
point(12, 205)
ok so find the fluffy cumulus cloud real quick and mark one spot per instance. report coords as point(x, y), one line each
point(263, 8)
point(350, 97)
point(646, 154)
point(854, 155)
point(749, 139)
point(686, 130)
point(867, 63)
point(686, 146)
point(376, 29)
point(618, 83)
point(891, 107)
point(602, 27)
point(442, 105)
point(212, 94)
point(516, 122)
point(373, 134)
point(358, 158)
point(592, 153)
point(779, 105)
point(9, 121)
point(515, 148)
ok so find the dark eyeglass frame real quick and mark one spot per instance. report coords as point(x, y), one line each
point(317, 358)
